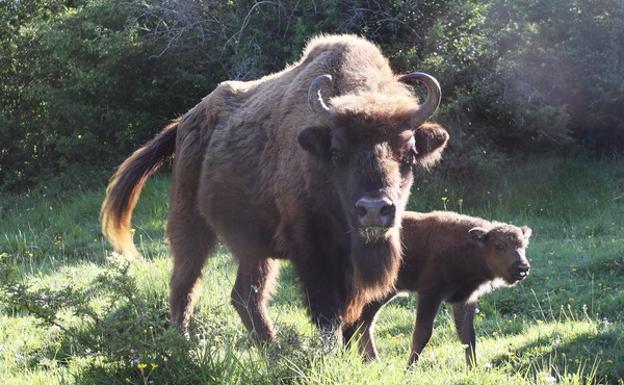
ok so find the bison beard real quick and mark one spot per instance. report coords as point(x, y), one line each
point(261, 164)
point(375, 268)
point(376, 263)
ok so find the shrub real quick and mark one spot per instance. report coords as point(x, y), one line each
point(88, 81)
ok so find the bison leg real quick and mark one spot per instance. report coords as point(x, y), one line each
point(326, 299)
point(251, 292)
point(463, 315)
point(425, 314)
point(365, 326)
point(191, 242)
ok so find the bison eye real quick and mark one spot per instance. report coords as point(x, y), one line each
point(409, 158)
point(500, 246)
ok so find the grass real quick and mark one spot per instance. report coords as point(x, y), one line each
point(75, 314)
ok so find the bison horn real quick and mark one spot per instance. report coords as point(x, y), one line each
point(434, 95)
point(315, 97)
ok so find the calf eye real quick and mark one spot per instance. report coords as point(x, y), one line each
point(500, 246)
point(335, 155)
point(409, 158)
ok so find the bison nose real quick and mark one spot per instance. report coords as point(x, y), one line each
point(375, 212)
point(522, 270)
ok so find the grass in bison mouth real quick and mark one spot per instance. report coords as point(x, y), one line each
point(373, 233)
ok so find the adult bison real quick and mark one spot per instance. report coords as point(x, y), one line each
point(313, 164)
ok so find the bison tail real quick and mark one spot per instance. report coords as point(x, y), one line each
point(125, 187)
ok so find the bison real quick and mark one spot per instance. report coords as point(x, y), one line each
point(449, 257)
point(312, 164)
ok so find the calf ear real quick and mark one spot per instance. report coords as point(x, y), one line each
point(479, 234)
point(430, 140)
point(526, 232)
point(315, 140)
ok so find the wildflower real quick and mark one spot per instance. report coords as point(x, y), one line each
point(142, 366)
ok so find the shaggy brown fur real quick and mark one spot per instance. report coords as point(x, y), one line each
point(256, 165)
point(451, 257)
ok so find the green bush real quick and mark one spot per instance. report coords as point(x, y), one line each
point(88, 81)
point(84, 89)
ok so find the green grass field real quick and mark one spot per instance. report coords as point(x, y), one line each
point(73, 313)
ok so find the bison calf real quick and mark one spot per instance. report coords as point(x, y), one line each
point(454, 258)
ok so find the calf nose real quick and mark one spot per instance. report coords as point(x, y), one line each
point(375, 212)
point(522, 270)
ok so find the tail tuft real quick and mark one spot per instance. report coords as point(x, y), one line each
point(125, 187)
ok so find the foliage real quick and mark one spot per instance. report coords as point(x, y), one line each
point(88, 81)
point(109, 326)
point(84, 88)
point(72, 313)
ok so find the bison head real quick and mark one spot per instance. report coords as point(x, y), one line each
point(369, 144)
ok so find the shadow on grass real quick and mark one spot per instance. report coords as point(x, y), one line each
point(584, 351)
point(612, 264)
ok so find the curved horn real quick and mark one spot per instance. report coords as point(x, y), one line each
point(315, 98)
point(434, 95)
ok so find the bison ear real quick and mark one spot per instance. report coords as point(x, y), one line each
point(479, 234)
point(526, 232)
point(430, 140)
point(315, 140)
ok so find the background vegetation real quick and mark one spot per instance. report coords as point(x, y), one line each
point(86, 81)
point(72, 313)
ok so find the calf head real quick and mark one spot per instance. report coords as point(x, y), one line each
point(504, 247)
point(369, 145)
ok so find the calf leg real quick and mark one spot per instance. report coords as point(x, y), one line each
point(254, 283)
point(464, 323)
point(365, 327)
point(425, 314)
